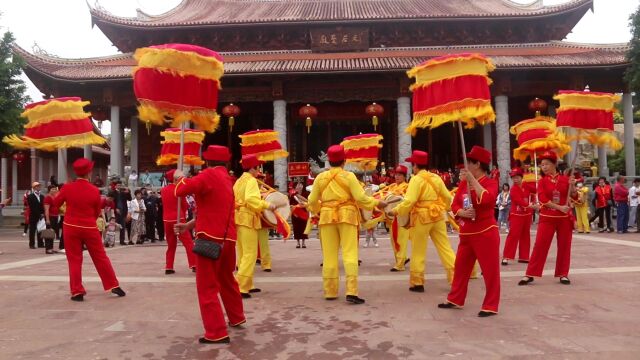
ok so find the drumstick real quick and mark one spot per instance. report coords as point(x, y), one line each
point(394, 201)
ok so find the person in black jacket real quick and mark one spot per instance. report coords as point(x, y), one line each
point(151, 215)
point(159, 221)
point(36, 212)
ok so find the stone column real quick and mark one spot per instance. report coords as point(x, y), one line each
point(50, 169)
point(41, 175)
point(135, 143)
point(14, 182)
point(34, 165)
point(280, 124)
point(116, 143)
point(62, 166)
point(603, 169)
point(87, 152)
point(404, 139)
point(487, 137)
point(4, 181)
point(629, 146)
point(503, 146)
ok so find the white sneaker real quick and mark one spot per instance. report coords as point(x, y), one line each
point(61, 251)
point(375, 244)
point(365, 245)
point(24, 234)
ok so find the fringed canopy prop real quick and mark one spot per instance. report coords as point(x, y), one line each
point(54, 124)
point(170, 152)
point(265, 144)
point(362, 150)
point(536, 136)
point(591, 114)
point(176, 83)
point(451, 88)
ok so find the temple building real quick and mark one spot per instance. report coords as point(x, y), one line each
point(340, 56)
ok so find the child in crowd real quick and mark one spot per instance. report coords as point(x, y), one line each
point(111, 231)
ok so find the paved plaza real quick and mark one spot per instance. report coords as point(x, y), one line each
point(594, 318)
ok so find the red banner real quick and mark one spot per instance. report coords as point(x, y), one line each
point(298, 169)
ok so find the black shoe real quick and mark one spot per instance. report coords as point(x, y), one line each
point(304, 246)
point(245, 295)
point(565, 280)
point(267, 270)
point(79, 297)
point(50, 252)
point(118, 291)
point(40, 246)
point(417, 288)
point(407, 261)
point(355, 300)
point(139, 242)
point(193, 269)
point(523, 261)
point(330, 298)
point(169, 272)
point(601, 230)
point(505, 262)
point(258, 261)
point(448, 305)
point(123, 243)
point(610, 230)
point(298, 246)
point(483, 313)
point(255, 290)
point(526, 281)
point(321, 264)
point(153, 241)
point(359, 262)
point(224, 340)
point(130, 243)
point(394, 270)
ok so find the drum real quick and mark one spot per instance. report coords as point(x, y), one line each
point(281, 201)
point(392, 202)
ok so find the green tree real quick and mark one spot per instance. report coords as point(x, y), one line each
point(12, 91)
point(632, 75)
point(615, 162)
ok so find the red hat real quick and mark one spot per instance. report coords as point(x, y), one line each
point(335, 153)
point(250, 161)
point(169, 174)
point(82, 166)
point(418, 157)
point(401, 169)
point(217, 153)
point(480, 154)
point(516, 172)
point(549, 155)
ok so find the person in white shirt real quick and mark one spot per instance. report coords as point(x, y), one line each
point(634, 197)
point(133, 180)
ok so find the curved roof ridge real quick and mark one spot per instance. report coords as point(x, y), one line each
point(49, 58)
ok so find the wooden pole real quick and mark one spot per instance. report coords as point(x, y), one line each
point(181, 161)
point(464, 157)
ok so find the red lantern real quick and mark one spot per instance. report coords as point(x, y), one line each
point(537, 105)
point(308, 112)
point(231, 111)
point(99, 115)
point(19, 157)
point(374, 110)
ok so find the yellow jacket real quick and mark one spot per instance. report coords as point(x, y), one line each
point(249, 203)
point(583, 198)
point(336, 196)
point(394, 189)
point(426, 200)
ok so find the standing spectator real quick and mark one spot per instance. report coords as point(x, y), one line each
point(503, 202)
point(621, 198)
point(25, 212)
point(2, 205)
point(594, 169)
point(150, 216)
point(51, 216)
point(145, 179)
point(582, 208)
point(634, 193)
point(36, 212)
point(53, 181)
point(97, 181)
point(122, 210)
point(604, 200)
point(159, 217)
point(62, 209)
point(163, 179)
point(133, 180)
point(136, 213)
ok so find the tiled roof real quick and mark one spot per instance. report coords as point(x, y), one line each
point(224, 12)
point(553, 54)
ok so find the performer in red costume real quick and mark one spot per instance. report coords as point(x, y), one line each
point(212, 189)
point(169, 217)
point(83, 204)
point(479, 236)
point(520, 216)
point(553, 190)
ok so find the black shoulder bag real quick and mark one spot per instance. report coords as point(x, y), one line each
point(212, 249)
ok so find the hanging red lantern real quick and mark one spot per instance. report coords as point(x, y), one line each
point(375, 111)
point(231, 111)
point(308, 112)
point(19, 157)
point(99, 115)
point(538, 106)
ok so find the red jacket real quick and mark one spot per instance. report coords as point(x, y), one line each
point(553, 189)
point(53, 210)
point(170, 204)
point(83, 203)
point(620, 193)
point(483, 204)
point(520, 196)
point(603, 195)
point(213, 192)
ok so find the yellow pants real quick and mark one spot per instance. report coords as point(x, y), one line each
point(333, 237)
point(438, 233)
point(403, 241)
point(583, 219)
point(265, 252)
point(248, 247)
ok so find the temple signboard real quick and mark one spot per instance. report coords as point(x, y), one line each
point(339, 39)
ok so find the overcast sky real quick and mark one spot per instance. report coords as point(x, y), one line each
point(63, 27)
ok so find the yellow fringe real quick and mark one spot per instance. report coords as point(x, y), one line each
point(459, 59)
point(55, 110)
point(57, 117)
point(179, 62)
point(558, 145)
point(470, 116)
point(362, 143)
point(596, 137)
point(272, 155)
point(204, 119)
point(539, 122)
point(367, 164)
point(259, 138)
point(430, 75)
point(173, 137)
point(172, 159)
point(54, 143)
point(587, 101)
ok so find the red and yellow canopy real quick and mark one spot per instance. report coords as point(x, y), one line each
point(451, 88)
point(362, 150)
point(170, 151)
point(265, 144)
point(56, 123)
point(538, 135)
point(175, 83)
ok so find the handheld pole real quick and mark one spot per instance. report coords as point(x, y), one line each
point(535, 171)
point(181, 161)
point(573, 166)
point(464, 155)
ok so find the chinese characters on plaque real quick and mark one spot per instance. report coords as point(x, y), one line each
point(339, 39)
point(298, 169)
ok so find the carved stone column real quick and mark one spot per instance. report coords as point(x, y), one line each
point(135, 144)
point(404, 139)
point(116, 143)
point(62, 166)
point(280, 166)
point(629, 146)
point(503, 146)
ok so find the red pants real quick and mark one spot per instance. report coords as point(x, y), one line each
point(563, 226)
point(519, 237)
point(216, 277)
point(172, 244)
point(485, 247)
point(74, 237)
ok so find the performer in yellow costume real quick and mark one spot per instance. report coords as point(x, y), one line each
point(582, 208)
point(249, 205)
point(336, 196)
point(399, 245)
point(426, 201)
